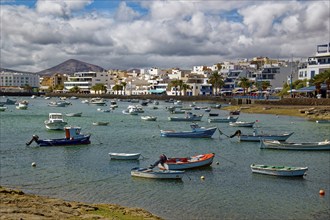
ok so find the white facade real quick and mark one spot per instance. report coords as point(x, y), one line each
point(83, 80)
point(316, 64)
point(19, 79)
point(155, 72)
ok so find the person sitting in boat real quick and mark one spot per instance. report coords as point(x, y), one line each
point(161, 161)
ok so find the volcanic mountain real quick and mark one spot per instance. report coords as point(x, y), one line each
point(70, 67)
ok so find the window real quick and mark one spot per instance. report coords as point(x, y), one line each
point(312, 73)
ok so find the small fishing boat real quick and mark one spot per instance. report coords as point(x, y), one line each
point(97, 101)
point(235, 112)
point(271, 144)
point(74, 114)
point(125, 156)
point(72, 137)
point(182, 163)
point(22, 106)
point(196, 132)
point(100, 123)
point(256, 137)
point(287, 171)
point(222, 120)
point(55, 121)
point(2, 108)
point(323, 121)
point(57, 104)
point(241, 124)
point(149, 118)
point(188, 117)
point(156, 174)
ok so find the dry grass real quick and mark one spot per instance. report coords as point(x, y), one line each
point(280, 110)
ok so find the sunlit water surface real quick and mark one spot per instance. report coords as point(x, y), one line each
point(229, 189)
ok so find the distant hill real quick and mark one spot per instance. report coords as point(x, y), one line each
point(70, 67)
point(13, 71)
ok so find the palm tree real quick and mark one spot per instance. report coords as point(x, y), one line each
point(244, 83)
point(175, 84)
point(99, 87)
point(265, 85)
point(320, 78)
point(216, 81)
point(27, 88)
point(117, 88)
point(124, 86)
point(75, 89)
point(185, 87)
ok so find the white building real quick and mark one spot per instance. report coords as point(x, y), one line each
point(19, 79)
point(83, 80)
point(316, 64)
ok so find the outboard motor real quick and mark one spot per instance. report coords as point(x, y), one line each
point(237, 133)
point(34, 138)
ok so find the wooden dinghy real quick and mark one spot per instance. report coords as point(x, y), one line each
point(271, 144)
point(156, 174)
point(278, 170)
point(124, 156)
point(100, 123)
point(182, 163)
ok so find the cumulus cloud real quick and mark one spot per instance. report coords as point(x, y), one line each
point(62, 8)
point(159, 33)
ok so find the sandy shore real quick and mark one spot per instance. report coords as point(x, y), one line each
point(15, 204)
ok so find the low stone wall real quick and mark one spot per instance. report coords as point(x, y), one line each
point(296, 101)
point(227, 100)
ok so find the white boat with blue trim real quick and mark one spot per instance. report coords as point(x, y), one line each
point(308, 146)
point(196, 132)
point(287, 171)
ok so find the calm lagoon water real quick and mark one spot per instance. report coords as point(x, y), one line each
point(229, 190)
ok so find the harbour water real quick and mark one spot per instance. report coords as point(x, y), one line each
point(229, 190)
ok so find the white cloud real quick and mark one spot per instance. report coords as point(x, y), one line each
point(62, 8)
point(164, 34)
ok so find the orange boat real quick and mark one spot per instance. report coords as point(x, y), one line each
point(182, 163)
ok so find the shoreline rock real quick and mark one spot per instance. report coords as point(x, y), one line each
point(15, 204)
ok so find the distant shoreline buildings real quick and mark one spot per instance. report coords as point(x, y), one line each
point(194, 82)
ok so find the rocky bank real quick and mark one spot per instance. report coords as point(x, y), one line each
point(15, 204)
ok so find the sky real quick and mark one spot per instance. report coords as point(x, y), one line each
point(39, 34)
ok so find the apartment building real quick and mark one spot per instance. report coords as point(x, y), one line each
point(12, 79)
point(316, 64)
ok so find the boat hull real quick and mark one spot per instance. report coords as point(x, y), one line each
point(162, 174)
point(308, 146)
point(55, 125)
point(197, 118)
point(257, 138)
point(149, 118)
point(207, 133)
point(279, 170)
point(74, 114)
point(241, 124)
point(193, 162)
point(222, 120)
point(64, 141)
point(124, 156)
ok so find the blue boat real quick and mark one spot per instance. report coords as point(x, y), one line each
point(72, 137)
point(196, 132)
